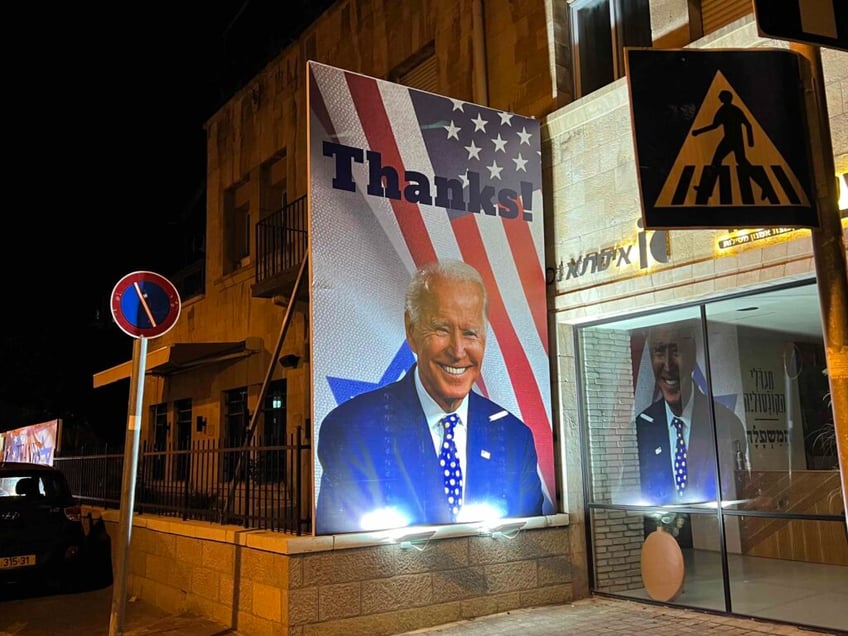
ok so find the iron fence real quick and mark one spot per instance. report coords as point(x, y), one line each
point(272, 490)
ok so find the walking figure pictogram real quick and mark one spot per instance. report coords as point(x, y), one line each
point(731, 118)
point(732, 121)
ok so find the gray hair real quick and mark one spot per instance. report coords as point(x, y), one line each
point(448, 269)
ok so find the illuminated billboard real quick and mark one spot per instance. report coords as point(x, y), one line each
point(430, 367)
point(35, 443)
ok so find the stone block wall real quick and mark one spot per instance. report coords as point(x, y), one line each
point(265, 583)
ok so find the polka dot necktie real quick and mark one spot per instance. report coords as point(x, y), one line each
point(449, 463)
point(679, 458)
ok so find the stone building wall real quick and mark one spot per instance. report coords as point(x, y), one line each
point(266, 583)
point(266, 121)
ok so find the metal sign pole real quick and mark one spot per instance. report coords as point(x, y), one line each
point(119, 590)
point(830, 262)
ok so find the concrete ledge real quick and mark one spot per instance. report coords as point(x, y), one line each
point(281, 543)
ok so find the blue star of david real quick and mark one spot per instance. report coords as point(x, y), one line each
point(345, 388)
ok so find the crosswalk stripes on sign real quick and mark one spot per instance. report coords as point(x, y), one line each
point(727, 159)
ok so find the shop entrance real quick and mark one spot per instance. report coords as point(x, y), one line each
point(711, 424)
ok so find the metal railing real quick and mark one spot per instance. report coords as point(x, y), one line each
point(281, 240)
point(272, 490)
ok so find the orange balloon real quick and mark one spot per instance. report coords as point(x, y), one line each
point(662, 566)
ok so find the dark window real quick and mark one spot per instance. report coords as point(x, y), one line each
point(600, 29)
point(236, 419)
point(717, 13)
point(274, 413)
point(420, 71)
point(159, 416)
point(272, 461)
point(183, 413)
point(236, 226)
point(272, 194)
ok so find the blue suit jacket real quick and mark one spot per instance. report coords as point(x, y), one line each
point(657, 480)
point(376, 452)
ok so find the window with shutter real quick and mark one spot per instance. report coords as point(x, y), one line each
point(718, 13)
point(600, 29)
point(420, 71)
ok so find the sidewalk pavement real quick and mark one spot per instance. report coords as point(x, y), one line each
point(89, 613)
point(602, 615)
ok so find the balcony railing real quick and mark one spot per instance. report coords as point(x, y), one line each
point(281, 244)
point(272, 490)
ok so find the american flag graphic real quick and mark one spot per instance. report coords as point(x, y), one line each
point(469, 188)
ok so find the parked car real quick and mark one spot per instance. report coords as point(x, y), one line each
point(41, 532)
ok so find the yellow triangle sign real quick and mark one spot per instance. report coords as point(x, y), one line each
point(729, 160)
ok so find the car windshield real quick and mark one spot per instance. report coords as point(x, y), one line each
point(33, 485)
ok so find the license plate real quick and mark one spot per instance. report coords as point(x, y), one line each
point(19, 561)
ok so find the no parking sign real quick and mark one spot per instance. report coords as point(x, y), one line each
point(145, 304)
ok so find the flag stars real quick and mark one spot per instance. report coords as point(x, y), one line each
point(500, 143)
point(525, 136)
point(494, 171)
point(473, 151)
point(479, 123)
point(457, 105)
point(520, 163)
point(453, 131)
point(506, 119)
point(464, 178)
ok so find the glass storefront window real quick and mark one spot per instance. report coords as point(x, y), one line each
point(809, 586)
point(773, 343)
point(712, 423)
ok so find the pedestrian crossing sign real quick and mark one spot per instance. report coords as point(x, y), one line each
point(721, 138)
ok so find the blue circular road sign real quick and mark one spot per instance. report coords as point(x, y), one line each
point(145, 304)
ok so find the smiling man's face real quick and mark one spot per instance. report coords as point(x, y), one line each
point(449, 340)
point(673, 359)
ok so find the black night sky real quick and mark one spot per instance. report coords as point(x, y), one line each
point(106, 160)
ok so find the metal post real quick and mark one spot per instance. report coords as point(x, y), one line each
point(829, 256)
point(119, 589)
point(227, 508)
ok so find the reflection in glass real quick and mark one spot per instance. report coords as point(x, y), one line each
point(792, 570)
point(618, 538)
point(783, 388)
point(749, 381)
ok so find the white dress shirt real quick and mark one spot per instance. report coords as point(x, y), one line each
point(434, 414)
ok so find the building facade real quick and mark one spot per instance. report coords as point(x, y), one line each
point(224, 366)
point(751, 300)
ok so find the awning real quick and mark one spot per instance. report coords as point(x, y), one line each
point(182, 356)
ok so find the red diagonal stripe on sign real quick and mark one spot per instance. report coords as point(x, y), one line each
point(530, 401)
point(529, 269)
point(378, 131)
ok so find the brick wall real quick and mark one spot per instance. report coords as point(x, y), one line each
point(614, 458)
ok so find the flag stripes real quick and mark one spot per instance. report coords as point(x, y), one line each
point(407, 128)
